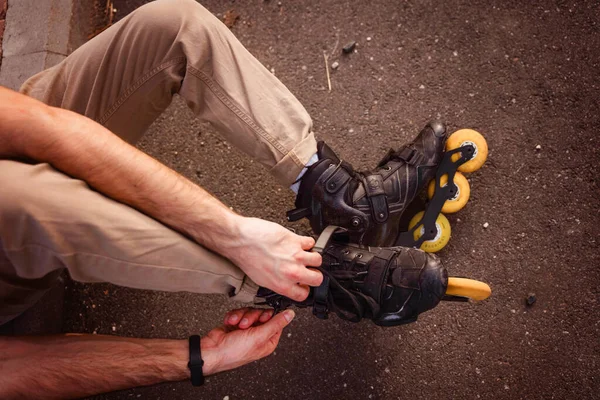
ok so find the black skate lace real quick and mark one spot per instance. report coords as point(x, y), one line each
point(358, 307)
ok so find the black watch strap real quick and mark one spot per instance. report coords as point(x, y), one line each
point(196, 362)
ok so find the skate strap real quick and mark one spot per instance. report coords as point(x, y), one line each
point(377, 197)
point(377, 277)
point(321, 293)
point(410, 155)
point(324, 238)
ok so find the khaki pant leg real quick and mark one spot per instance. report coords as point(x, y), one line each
point(126, 77)
point(50, 222)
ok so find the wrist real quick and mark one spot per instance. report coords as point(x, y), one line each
point(180, 352)
point(226, 236)
point(211, 358)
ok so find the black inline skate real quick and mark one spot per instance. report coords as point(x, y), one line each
point(391, 286)
point(370, 204)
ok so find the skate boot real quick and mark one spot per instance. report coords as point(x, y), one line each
point(368, 204)
point(391, 286)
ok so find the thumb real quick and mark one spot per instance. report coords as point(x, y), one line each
point(276, 324)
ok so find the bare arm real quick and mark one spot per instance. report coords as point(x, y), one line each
point(86, 150)
point(72, 366)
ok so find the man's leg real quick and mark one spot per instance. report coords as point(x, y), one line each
point(49, 222)
point(126, 77)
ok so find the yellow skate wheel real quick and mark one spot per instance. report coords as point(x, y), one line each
point(442, 235)
point(469, 288)
point(461, 196)
point(474, 138)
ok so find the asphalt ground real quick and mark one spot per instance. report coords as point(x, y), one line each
point(525, 74)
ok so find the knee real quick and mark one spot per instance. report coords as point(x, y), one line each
point(170, 17)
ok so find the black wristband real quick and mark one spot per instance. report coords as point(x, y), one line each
point(196, 363)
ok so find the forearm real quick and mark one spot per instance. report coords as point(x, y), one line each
point(85, 150)
point(71, 366)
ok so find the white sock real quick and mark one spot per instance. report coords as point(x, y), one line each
point(296, 186)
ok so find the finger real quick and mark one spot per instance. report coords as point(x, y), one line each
point(306, 242)
point(233, 317)
point(297, 292)
point(275, 325)
point(305, 276)
point(265, 316)
point(249, 318)
point(309, 259)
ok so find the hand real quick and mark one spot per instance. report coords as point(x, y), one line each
point(275, 258)
point(249, 334)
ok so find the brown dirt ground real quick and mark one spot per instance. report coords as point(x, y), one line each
point(522, 73)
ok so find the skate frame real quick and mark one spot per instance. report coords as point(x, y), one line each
point(441, 194)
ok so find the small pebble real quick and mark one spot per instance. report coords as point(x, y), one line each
point(114, 328)
point(226, 398)
point(538, 147)
point(335, 65)
point(531, 299)
point(422, 87)
point(349, 48)
point(485, 225)
point(368, 38)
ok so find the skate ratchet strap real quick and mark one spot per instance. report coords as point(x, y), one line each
point(410, 156)
point(377, 197)
point(377, 276)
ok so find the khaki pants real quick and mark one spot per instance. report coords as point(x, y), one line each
point(124, 79)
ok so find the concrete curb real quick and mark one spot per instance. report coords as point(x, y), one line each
point(39, 34)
